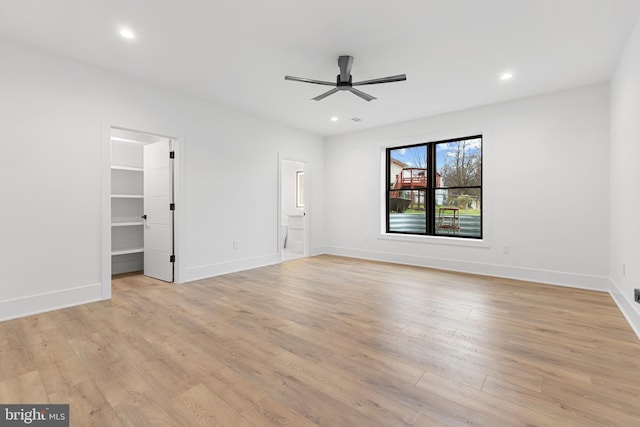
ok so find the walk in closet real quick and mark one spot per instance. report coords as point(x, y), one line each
point(141, 204)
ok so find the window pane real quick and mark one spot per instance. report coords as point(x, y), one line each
point(459, 212)
point(459, 163)
point(407, 211)
point(408, 223)
point(407, 167)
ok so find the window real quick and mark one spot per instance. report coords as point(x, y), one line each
point(435, 188)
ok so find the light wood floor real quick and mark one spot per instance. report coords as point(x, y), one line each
point(334, 342)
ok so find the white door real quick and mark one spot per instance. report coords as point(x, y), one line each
point(158, 199)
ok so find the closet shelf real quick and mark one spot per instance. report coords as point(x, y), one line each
point(127, 196)
point(127, 251)
point(126, 223)
point(126, 168)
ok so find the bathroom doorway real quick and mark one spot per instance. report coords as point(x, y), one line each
point(292, 240)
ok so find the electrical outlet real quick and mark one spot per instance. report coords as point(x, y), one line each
point(636, 295)
point(506, 249)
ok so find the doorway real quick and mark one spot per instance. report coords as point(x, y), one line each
point(141, 214)
point(292, 239)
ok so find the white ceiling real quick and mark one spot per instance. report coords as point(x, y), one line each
point(237, 52)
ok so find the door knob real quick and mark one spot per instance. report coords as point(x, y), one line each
point(144, 217)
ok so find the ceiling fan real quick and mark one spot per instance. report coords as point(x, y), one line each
point(344, 81)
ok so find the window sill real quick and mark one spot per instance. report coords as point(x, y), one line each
point(436, 240)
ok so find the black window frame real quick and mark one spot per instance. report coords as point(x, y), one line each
point(430, 189)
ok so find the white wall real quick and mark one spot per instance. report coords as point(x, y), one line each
point(625, 176)
point(52, 113)
point(545, 190)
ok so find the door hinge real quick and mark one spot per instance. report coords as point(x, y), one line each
point(172, 206)
point(172, 258)
point(172, 154)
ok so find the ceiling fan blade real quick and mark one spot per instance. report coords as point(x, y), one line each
point(361, 94)
point(300, 79)
point(390, 79)
point(345, 63)
point(324, 95)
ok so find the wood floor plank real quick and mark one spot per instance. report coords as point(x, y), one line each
point(25, 388)
point(62, 375)
point(117, 378)
point(269, 413)
point(500, 411)
point(366, 400)
point(148, 410)
point(16, 355)
point(87, 405)
point(203, 408)
point(327, 341)
point(234, 389)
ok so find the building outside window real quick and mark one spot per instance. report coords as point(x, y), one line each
point(435, 188)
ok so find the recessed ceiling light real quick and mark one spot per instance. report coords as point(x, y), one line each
point(334, 119)
point(506, 76)
point(127, 33)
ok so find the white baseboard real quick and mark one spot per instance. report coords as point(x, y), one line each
point(317, 250)
point(628, 310)
point(212, 270)
point(582, 281)
point(35, 304)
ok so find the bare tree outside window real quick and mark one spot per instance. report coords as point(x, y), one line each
point(462, 164)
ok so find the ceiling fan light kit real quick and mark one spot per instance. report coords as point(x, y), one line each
point(344, 81)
